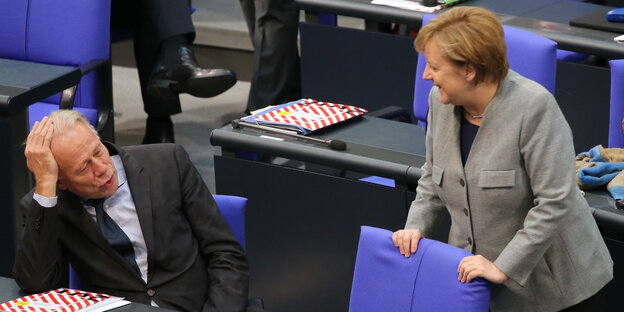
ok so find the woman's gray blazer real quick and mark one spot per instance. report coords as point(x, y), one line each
point(515, 201)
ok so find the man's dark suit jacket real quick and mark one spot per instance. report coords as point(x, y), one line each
point(194, 260)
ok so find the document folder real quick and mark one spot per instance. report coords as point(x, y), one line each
point(305, 116)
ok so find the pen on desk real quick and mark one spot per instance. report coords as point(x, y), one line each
point(333, 144)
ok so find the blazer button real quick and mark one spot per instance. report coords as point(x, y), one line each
point(469, 240)
point(466, 212)
point(151, 292)
point(461, 182)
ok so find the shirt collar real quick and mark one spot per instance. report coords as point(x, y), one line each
point(121, 172)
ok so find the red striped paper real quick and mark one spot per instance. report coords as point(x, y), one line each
point(311, 114)
point(59, 300)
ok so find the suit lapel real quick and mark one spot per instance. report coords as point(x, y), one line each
point(139, 182)
point(485, 129)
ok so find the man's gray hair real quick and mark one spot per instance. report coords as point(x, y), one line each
point(64, 120)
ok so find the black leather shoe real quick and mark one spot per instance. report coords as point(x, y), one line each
point(158, 130)
point(189, 78)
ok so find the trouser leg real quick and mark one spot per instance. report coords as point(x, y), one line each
point(276, 74)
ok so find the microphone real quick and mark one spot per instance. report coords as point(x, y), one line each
point(337, 145)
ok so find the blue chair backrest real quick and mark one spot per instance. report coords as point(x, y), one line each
point(616, 109)
point(232, 209)
point(539, 65)
point(68, 32)
point(384, 280)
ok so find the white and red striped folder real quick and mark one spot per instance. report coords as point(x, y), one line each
point(62, 300)
point(306, 115)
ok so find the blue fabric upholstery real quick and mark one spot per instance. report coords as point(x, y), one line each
point(384, 280)
point(616, 110)
point(570, 56)
point(68, 32)
point(379, 180)
point(232, 209)
point(421, 86)
point(539, 65)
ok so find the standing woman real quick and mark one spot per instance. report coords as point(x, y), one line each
point(500, 161)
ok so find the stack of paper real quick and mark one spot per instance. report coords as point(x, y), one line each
point(305, 115)
point(408, 5)
point(63, 300)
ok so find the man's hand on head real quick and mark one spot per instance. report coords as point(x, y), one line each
point(39, 158)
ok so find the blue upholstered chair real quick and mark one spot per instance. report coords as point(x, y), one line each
point(539, 65)
point(571, 56)
point(232, 209)
point(70, 33)
point(384, 280)
point(616, 110)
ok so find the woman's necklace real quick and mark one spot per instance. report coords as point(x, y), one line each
point(473, 116)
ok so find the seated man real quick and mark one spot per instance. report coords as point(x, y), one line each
point(136, 222)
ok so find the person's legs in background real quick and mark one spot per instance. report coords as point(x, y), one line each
point(273, 27)
point(163, 35)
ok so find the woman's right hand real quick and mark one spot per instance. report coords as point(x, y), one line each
point(407, 241)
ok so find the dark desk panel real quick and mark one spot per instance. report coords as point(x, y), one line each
point(563, 11)
point(345, 68)
point(511, 13)
point(516, 8)
point(610, 220)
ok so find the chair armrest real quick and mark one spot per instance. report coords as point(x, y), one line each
point(92, 65)
point(68, 95)
point(24, 83)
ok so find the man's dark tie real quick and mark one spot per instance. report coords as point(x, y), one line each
point(113, 233)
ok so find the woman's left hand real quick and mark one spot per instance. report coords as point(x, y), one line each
point(478, 266)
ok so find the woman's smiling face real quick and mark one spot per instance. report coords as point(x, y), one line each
point(452, 80)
